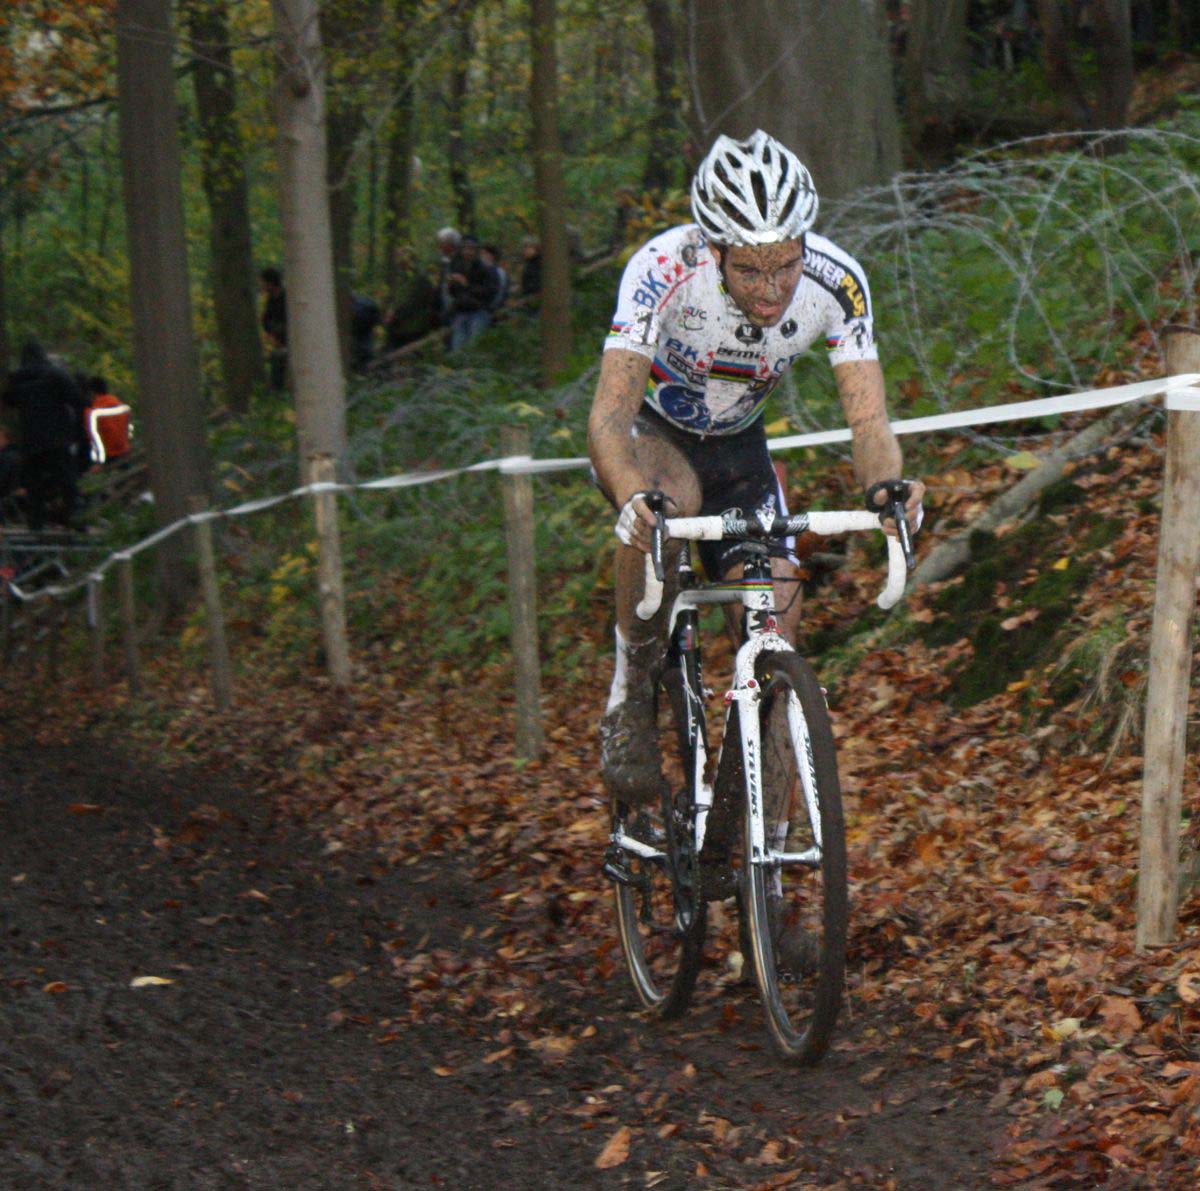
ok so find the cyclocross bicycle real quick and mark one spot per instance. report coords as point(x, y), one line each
point(773, 779)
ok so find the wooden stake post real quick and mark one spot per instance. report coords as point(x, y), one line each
point(218, 649)
point(1169, 675)
point(329, 573)
point(6, 602)
point(522, 596)
point(94, 615)
point(129, 622)
point(53, 638)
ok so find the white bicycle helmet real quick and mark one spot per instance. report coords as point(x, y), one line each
point(751, 192)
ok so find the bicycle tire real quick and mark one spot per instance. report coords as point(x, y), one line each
point(663, 945)
point(800, 983)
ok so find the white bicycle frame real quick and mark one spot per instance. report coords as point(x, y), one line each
point(758, 597)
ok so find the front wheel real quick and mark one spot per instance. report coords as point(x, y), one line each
point(794, 893)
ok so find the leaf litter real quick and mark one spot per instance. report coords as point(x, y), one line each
point(993, 855)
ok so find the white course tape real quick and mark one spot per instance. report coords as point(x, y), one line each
point(1013, 412)
point(1184, 399)
point(1183, 393)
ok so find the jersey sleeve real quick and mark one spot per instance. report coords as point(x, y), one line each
point(850, 330)
point(636, 322)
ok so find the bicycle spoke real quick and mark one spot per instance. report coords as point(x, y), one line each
point(796, 912)
point(660, 918)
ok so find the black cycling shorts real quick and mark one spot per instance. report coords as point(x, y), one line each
point(735, 472)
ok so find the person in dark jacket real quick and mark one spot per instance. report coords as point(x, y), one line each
point(10, 470)
point(274, 325)
point(365, 316)
point(49, 408)
point(531, 268)
point(472, 287)
point(417, 310)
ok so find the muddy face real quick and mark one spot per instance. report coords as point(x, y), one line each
point(762, 279)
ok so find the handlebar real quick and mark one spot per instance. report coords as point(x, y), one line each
point(734, 525)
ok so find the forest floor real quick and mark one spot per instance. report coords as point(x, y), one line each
point(381, 952)
point(325, 1019)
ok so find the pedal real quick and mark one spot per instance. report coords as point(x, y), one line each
point(615, 868)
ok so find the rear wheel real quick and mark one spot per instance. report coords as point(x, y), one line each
point(660, 915)
point(796, 911)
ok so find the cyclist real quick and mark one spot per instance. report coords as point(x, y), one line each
point(709, 316)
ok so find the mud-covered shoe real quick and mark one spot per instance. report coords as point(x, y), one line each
point(630, 761)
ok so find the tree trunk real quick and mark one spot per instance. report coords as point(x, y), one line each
point(953, 553)
point(935, 64)
point(456, 147)
point(551, 192)
point(372, 210)
point(5, 351)
point(767, 64)
point(1114, 57)
point(343, 122)
point(347, 27)
point(401, 143)
point(664, 155)
point(1053, 17)
point(109, 191)
point(231, 252)
point(171, 407)
point(316, 364)
point(398, 180)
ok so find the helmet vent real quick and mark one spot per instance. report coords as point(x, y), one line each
point(752, 192)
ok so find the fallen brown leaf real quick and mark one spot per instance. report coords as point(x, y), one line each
point(616, 1149)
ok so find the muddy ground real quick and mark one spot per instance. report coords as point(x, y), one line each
point(303, 1040)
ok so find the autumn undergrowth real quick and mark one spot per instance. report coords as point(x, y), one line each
point(987, 734)
point(993, 845)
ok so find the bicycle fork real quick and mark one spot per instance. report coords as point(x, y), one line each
point(746, 697)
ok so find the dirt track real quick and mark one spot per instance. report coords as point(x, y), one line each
point(332, 1022)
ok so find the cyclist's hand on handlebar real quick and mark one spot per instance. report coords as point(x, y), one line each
point(883, 494)
point(636, 523)
point(890, 498)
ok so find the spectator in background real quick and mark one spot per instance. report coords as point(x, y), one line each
point(108, 422)
point(365, 316)
point(10, 468)
point(472, 287)
point(490, 255)
point(49, 406)
point(418, 310)
point(448, 242)
point(531, 267)
point(274, 325)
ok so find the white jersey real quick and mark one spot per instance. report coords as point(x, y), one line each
point(712, 370)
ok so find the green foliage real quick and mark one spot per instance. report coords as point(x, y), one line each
point(1025, 268)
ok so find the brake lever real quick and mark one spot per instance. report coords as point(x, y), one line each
point(656, 503)
point(897, 493)
point(899, 515)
